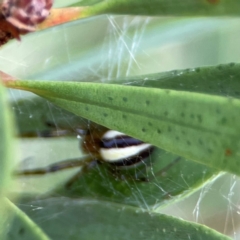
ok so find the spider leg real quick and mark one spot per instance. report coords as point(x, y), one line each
point(165, 169)
point(146, 179)
point(85, 168)
point(48, 133)
point(53, 130)
point(59, 166)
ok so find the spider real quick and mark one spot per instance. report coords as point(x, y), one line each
point(102, 146)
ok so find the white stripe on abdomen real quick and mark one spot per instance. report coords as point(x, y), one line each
point(110, 134)
point(116, 154)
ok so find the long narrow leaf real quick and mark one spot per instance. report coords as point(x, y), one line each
point(6, 138)
point(167, 7)
point(143, 7)
point(200, 127)
point(6, 155)
point(221, 80)
point(64, 218)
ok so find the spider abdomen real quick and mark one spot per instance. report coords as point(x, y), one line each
point(121, 150)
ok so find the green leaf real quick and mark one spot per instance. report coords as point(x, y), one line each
point(6, 154)
point(64, 218)
point(6, 146)
point(165, 186)
point(199, 127)
point(166, 7)
point(21, 227)
point(84, 3)
point(221, 80)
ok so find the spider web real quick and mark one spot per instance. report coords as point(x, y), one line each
point(106, 47)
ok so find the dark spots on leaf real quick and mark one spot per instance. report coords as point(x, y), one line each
point(110, 98)
point(166, 113)
point(224, 120)
point(183, 132)
point(105, 114)
point(228, 152)
point(143, 129)
point(149, 124)
point(192, 116)
point(197, 70)
point(199, 118)
point(21, 231)
point(124, 116)
point(177, 138)
point(200, 141)
point(209, 150)
point(182, 114)
point(125, 99)
point(159, 131)
point(188, 143)
point(86, 108)
point(147, 102)
point(169, 129)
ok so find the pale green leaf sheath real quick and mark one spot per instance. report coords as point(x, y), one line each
point(200, 127)
point(14, 224)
